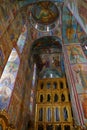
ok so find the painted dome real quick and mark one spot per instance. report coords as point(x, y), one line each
point(47, 44)
point(45, 12)
point(44, 15)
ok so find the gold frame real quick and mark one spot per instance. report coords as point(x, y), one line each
point(4, 121)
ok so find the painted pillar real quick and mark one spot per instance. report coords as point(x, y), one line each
point(75, 67)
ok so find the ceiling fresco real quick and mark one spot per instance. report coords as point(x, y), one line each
point(47, 54)
point(46, 45)
point(45, 12)
point(47, 51)
point(44, 16)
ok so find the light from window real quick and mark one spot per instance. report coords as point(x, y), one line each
point(86, 47)
point(8, 79)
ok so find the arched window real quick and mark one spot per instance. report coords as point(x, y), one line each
point(41, 114)
point(62, 97)
point(55, 85)
point(48, 114)
point(65, 113)
point(41, 98)
point(8, 79)
point(48, 85)
point(55, 98)
point(42, 85)
point(56, 114)
point(61, 85)
point(48, 98)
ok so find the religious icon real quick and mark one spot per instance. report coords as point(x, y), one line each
point(45, 12)
point(75, 54)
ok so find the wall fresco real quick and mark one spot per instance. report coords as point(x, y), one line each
point(83, 103)
point(14, 7)
point(4, 41)
point(22, 38)
point(76, 54)
point(2, 29)
point(71, 88)
point(80, 77)
point(1, 57)
point(14, 110)
point(35, 34)
point(82, 9)
point(51, 61)
point(12, 35)
point(69, 28)
point(6, 13)
point(73, 7)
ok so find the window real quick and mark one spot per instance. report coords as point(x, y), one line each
point(56, 114)
point(41, 98)
point(65, 113)
point(48, 85)
point(62, 97)
point(41, 114)
point(55, 98)
point(55, 85)
point(48, 98)
point(41, 86)
point(61, 85)
point(48, 114)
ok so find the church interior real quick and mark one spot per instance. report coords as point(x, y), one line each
point(43, 64)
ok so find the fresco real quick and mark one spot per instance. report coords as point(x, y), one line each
point(80, 77)
point(1, 57)
point(76, 54)
point(82, 9)
point(12, 35)
point(83, 103)
point(15, 29)
point(33, 34)
point(14, 7)
point(51, 61)
point(22, 38)
point(69, 28)
point(71, 88)
point(8, 79)
point(73, 7)
point(6, 13)
point(13, 110)
point(2, 29)
point(45, 12)
point(80, 80)
point(4, 41)
point(80, 33)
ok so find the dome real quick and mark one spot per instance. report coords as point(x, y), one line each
point(44, 15)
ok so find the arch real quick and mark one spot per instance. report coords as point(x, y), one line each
point(8, 79)
point(46, 43)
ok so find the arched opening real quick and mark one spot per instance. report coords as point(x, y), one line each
point(46, 53)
